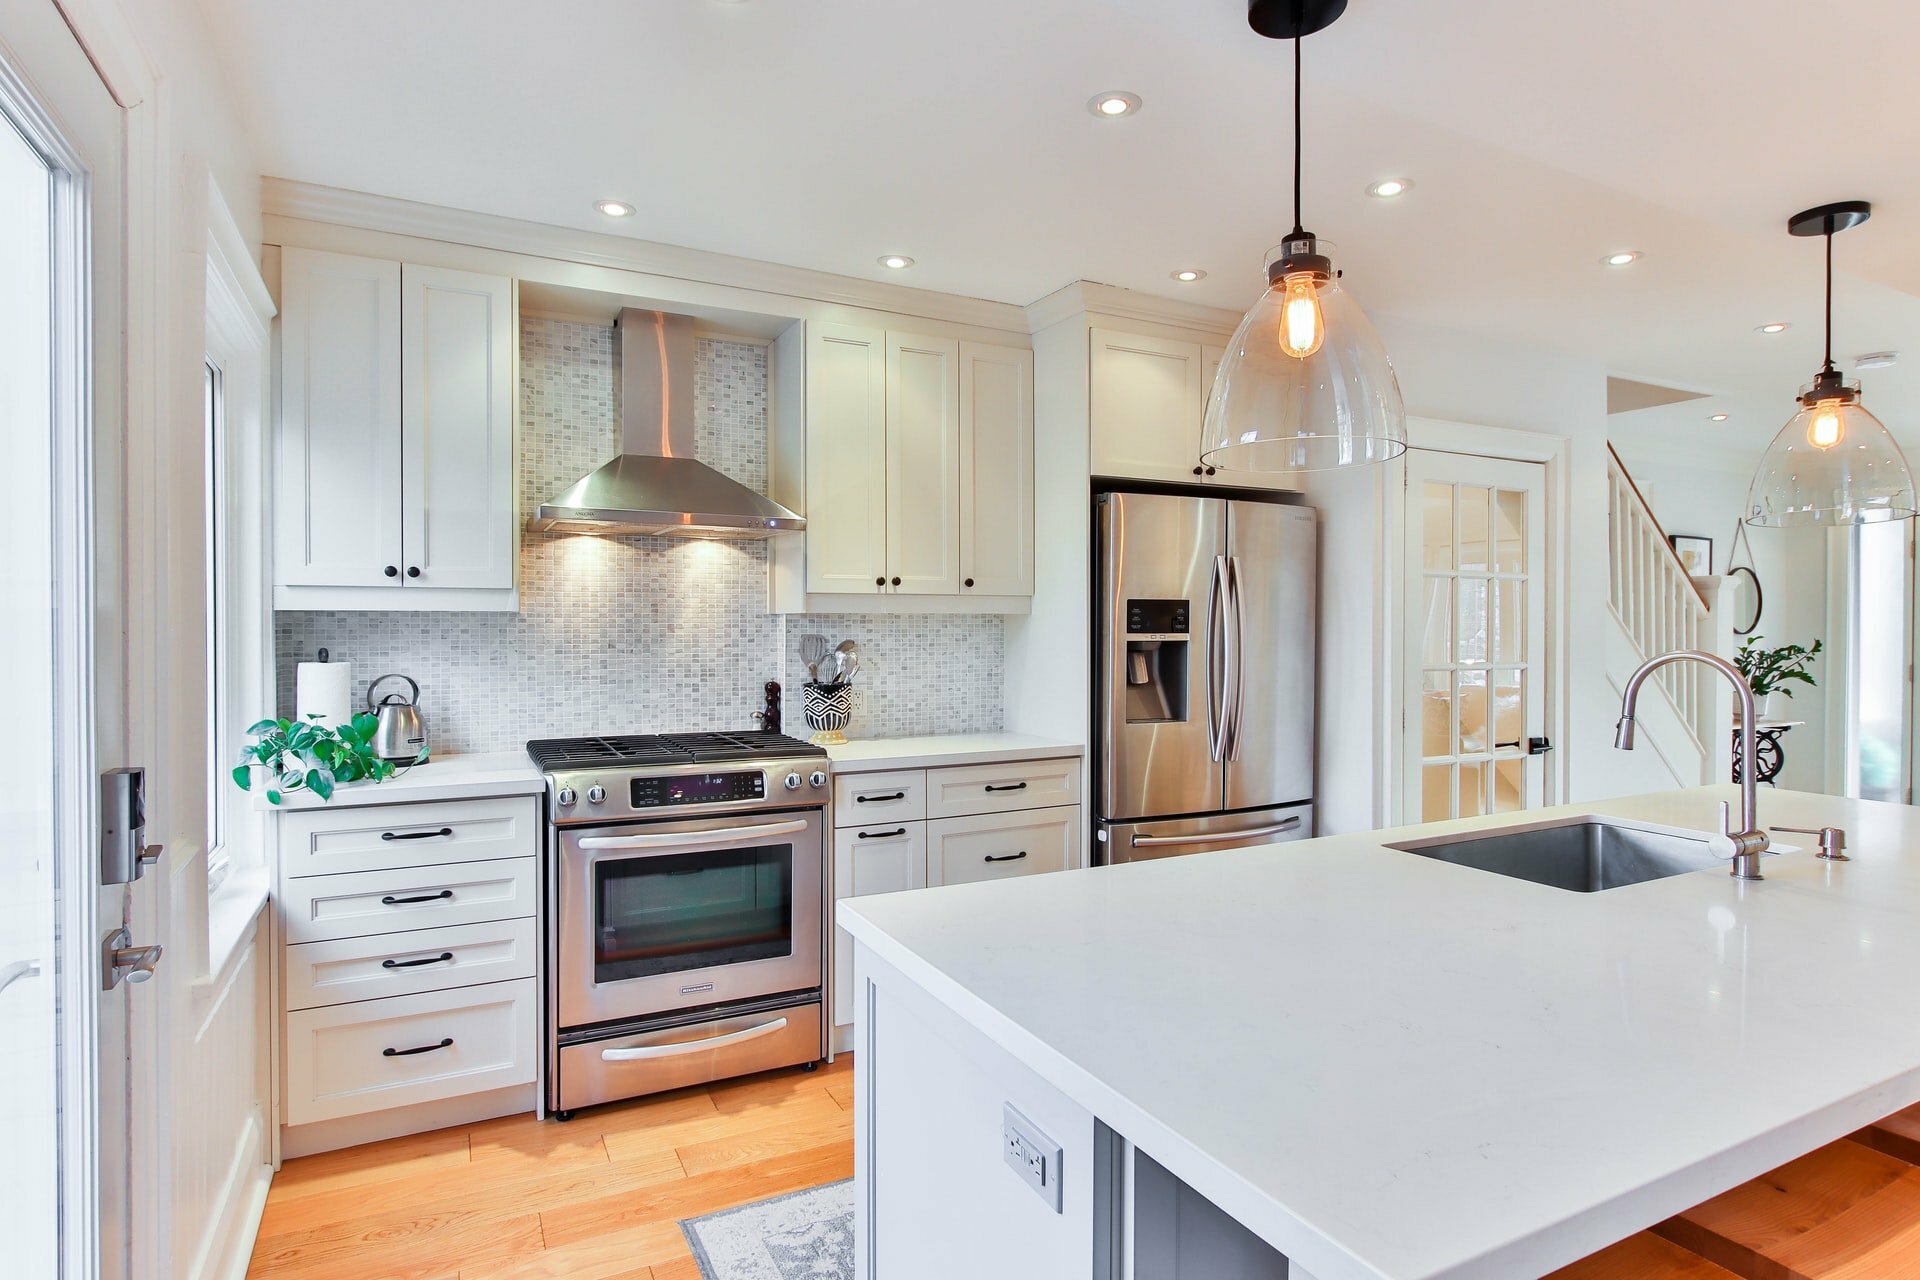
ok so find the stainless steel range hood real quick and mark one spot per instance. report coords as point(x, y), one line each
point(655, 485)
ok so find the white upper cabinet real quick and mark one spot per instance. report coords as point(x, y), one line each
point(923, 464)
point(395, 471)
point(996, 470)
point(456, 379)
point(917, 452)
point(846, 450)
point(1148, 407)
point(338, 488)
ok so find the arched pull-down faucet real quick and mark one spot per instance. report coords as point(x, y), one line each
point(1747, 844)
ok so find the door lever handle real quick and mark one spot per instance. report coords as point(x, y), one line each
point(12, 973)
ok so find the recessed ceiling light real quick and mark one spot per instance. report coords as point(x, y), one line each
point(895, 261)
point(1716, 417)
point(1189, 275)
point(1113, 104)
point(1777, 326)
point(1388, 188)
point(614, 208)
point(1624, 258)
point(1876, 359)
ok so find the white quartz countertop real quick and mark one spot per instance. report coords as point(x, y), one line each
point(492, 773)
point(874, 754)
point(1390, 1066)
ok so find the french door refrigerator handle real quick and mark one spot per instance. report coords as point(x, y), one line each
point(1236, 693)
point(1217, 661)
point(1216, 837)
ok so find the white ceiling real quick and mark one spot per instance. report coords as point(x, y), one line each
point(823, 133)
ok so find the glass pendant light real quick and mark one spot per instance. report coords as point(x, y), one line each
point(1305, 384)
point(1833, 463)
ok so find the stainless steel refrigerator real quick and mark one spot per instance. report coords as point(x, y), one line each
point(1204, 677)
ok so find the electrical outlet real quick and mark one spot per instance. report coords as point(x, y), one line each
point(1030, 1153)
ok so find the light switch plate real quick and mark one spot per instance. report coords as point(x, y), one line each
point(1030, 1153)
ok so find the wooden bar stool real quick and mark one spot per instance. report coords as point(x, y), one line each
point(1844, 1212)
point(1643, 1257)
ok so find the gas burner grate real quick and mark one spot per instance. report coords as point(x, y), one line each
point(643, 749)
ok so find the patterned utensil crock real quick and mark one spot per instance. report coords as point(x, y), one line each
point(826, 709)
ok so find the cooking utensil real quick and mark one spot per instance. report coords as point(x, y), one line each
point(401, 734)
point(813, 651)
point(846, 661)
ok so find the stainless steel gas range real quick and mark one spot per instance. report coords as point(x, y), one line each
point(686, 913)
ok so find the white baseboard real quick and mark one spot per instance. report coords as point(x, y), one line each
point(228, 1246)
point(352, 1131)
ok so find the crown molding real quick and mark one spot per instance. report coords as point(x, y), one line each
point(313, 203)
point(1084, 297)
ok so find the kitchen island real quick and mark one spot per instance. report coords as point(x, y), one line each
point(1366, 1062)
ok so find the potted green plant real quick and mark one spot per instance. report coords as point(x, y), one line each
point(1770, 672)
point(306, 755)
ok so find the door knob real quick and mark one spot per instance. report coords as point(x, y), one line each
point(120, 959)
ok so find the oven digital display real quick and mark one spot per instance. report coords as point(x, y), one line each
point(699, 788)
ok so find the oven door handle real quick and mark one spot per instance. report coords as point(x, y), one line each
point(642, 1052)
point(692, 839)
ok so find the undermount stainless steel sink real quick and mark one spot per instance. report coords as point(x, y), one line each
point(1585, 855)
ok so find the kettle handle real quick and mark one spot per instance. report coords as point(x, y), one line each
point(412, 684)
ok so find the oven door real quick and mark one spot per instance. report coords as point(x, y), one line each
point(658, 916)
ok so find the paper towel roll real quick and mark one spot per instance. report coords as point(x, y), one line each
point(324, 689)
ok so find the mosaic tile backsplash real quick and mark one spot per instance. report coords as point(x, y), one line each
point(639, 635)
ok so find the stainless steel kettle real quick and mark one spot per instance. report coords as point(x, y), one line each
point(401, 735)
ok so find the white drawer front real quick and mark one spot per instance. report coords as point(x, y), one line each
point(316, 908)
point(1002, 788)
point(399, 964)
point(324, 842)
point(999, 846)
point(863, 799)
point(471, 1040)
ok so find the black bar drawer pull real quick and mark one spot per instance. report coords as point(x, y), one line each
point(416, 835)
point(419, 1048)
point(442, 958)
point(1006, 857)
point(392, 901)
point(891, 795)
point(1012, 786)
point(880, 835)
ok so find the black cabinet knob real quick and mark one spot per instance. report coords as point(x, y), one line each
point(969, 582)
point(413, 571)
point(1197, 470)
point(1209, 470)
point(393, 571)
point(896, 582)
point(880, 581)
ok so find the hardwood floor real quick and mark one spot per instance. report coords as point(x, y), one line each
point(598, 1198)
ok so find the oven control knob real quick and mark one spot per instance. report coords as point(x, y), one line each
point(818, 778)
point(596, 793)
point(565, 797)
point(792, 782)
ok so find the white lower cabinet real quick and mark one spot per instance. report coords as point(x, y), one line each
point(898, 829)
point(876, 859)
point(343, 1060)
point(1001, 846)
point(410, 966)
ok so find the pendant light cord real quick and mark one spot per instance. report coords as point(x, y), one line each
point(1828, 367)
point(1299, 228)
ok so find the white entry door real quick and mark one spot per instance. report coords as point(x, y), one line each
point(1475, 725)
point(67, 1184)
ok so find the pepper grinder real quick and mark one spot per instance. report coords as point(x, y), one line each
point(770, 718)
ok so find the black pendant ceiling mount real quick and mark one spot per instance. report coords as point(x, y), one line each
point(1291, 19)
point(1829, 219)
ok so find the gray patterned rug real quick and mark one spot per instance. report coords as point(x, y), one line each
point(804, 1235)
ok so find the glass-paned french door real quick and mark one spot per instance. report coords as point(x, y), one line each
point(1475, 577)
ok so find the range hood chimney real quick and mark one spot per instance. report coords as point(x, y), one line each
point(655, 486)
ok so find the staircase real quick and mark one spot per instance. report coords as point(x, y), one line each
point(1657, 608)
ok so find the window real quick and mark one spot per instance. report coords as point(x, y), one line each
point(1873, 662)
point(221, 745)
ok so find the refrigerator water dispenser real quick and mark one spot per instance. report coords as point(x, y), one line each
point(1156, 661)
